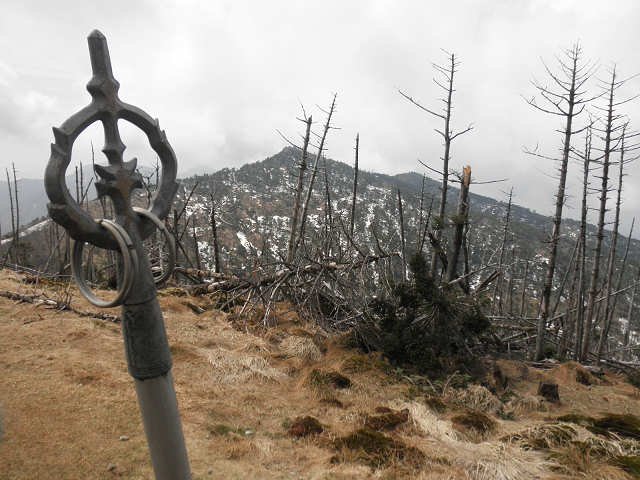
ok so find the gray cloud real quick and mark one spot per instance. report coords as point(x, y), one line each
point(223, 76)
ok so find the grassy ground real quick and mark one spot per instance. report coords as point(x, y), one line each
point(66, 400)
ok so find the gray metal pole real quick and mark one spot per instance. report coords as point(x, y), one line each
point(157, 401)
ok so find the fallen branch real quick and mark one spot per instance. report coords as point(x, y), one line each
point(36, 299)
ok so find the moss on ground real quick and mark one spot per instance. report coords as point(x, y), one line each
point(628, 463)
point(319, 379)
point(624, 425)
point(474, 422)
point(305, 426)
point(376, 450)
point(387, 420)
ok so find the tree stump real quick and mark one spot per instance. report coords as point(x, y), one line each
point(549, 391)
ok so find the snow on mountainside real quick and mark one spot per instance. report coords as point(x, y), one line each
point(254, 204)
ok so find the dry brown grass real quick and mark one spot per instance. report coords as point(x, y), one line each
point(66, 398)
point(474, 397)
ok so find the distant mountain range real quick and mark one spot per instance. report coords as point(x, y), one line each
point(255, 203)
point(33, 198)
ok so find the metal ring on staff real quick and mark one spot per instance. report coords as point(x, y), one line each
point(166, 273)
point(129, 262)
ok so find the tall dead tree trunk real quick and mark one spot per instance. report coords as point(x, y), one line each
point(314, 172)
point(327, 193)
point(605, 323)
point(621, 273)
point(566, 102)
point(467, 257)
point(580, 297)
point(214, 234)
point(510, 284)
point(402, 239)
point(627, 332)
point(77, 186)
point(425, 227)
point(355, 186)
point(420, 215)
point(298, 195)
point(497, 288)
point(196, 248)
point(13, 219)
point(17, 199)
point(568, 328)
point(608, 131)
point(611, 263)
point(523, 298)
point(565, 277)
point(445, 83)
point(460, 222)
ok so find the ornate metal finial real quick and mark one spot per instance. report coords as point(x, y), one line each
point(118, 179)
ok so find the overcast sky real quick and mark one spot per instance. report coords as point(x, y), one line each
point(223, 76)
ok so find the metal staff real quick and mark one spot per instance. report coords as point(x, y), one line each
point(145, 339)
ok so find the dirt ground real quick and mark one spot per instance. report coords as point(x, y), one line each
point(68, 408)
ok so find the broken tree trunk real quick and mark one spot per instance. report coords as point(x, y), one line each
point(298, 194)
point(459, 224)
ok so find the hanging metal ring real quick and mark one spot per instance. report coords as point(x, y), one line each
point(171, 262)
point(130, 266)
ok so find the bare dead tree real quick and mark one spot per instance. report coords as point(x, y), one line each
point(314, 172)
point(214, 234)
point(421, 216)
point(298, 194)
point(328, 214)
point(17, 200)
point(444, 80)
point(608, 133)
point(627, 332)
point(585, 158)
point(604, 323)
point(568, 320)
point(565, 277)
point(467, 257)
point(426, 223)
point(195, 245)
point(77, 185)
point(402, 238)
point(567, 100)
point(355, 186)
point(523, 304)
point(510, 284)
point(496, 301)
point(619, 280)
point(13, 219)
point(611, 300)
point(621, 271)
point(460, 221)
